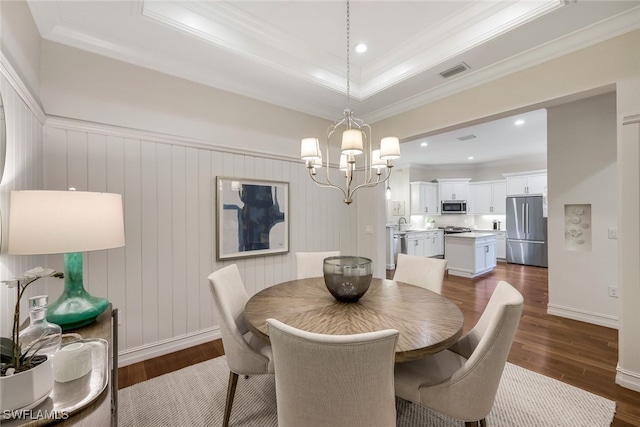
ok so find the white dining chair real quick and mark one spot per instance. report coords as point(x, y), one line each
point(309, 264)
point(462, 382)
point(333, 380)
point(245, 353)
point(421, 271)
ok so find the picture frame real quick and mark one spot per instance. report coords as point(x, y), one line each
point(252, 217)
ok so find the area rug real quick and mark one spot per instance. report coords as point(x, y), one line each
point(195, 396)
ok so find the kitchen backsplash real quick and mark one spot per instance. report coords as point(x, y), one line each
point(478, 222)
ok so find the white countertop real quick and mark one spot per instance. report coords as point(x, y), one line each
point(416, 230)
point(471, 235)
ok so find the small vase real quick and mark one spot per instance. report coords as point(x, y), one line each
point(40, 337)
point(26, 389)
point(347, 277)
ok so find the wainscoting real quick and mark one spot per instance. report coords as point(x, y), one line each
point(159, 279)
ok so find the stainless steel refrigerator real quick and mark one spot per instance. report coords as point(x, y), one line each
point(526, 231)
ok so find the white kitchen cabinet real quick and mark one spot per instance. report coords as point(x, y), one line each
point(434, 243)
point(526, 183)
point(424, 198)
point(485, 258)
point(416, 243)
point(487, 197)
point(470, 254)
point(454, 189)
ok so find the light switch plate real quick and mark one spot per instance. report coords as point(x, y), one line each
point(613, 233)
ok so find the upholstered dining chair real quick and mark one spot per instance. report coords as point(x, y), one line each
point(421, 271)
point(245, 353)
point(462, 382)
point(333, 380)
point(309, 264)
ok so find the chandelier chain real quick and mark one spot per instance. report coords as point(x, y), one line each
point(348, 63)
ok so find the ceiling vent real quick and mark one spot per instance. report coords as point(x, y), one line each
point(455, 70)
point(466, 138)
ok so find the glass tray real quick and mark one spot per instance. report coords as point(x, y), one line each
point(70, 397)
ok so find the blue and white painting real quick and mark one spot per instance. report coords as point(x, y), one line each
point(252, 218)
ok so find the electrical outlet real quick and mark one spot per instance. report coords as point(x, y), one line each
point(368, 229)
point(613, 233)
point(613, 291)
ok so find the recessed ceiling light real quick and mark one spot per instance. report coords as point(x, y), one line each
point(361, 48)
point(519, 122)
point(424, 144)
point(470, 158)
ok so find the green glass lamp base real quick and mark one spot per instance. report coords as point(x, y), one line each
point(75, 307)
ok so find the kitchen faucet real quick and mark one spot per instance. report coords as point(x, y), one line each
point(400, 222)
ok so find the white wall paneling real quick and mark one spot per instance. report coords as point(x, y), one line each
point(159, 279)
point(23, 171)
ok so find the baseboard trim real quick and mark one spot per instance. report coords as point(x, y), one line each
point(160, 348)
point(583, 316)
point(627, 379)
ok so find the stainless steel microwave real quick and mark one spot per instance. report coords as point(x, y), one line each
point(454, 207)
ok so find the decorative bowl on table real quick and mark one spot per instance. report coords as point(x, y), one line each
point(347, 277)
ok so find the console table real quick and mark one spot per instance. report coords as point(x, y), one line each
point(103, 411)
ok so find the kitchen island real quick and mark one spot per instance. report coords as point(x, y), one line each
point(470, 254)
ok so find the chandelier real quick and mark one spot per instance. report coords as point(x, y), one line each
point(360, 164)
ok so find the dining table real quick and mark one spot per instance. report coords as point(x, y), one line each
point(427, 322)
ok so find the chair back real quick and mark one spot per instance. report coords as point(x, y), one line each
point(230, 297)
point(486, 348)
point(421, 271)
point(333, 380)
point(309, 264)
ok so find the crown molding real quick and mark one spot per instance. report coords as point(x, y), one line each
point(12, 76)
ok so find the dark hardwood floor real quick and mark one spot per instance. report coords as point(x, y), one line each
point(576, 353)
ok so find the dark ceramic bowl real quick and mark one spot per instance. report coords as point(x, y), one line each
point(347, 277)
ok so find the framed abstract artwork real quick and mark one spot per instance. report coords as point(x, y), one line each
point(252, 217)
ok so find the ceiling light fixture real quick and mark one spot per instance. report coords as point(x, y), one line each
point(356, 140)
point(361, 48)
point(424, 144)
point(470, 158)
point(519, 122)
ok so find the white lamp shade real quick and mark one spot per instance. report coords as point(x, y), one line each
point(352, 141)
point(389, 148)
point(309, 149)
point(376, 161)
point(52, 222)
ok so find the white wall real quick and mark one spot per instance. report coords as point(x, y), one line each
point(88, 87)
point(582, 161)
point(629, 232)
point(20, 43)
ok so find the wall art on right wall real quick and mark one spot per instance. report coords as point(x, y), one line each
point(577, 227)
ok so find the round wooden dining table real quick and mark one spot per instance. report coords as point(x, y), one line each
point(426, 321)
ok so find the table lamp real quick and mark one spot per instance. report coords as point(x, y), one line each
point(67, 222)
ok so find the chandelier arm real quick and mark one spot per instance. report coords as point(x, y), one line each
point(330, 132)
point(322, 184)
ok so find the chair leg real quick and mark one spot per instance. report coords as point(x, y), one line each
point(483, 422)
point(470, 424)
point(231, 392)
